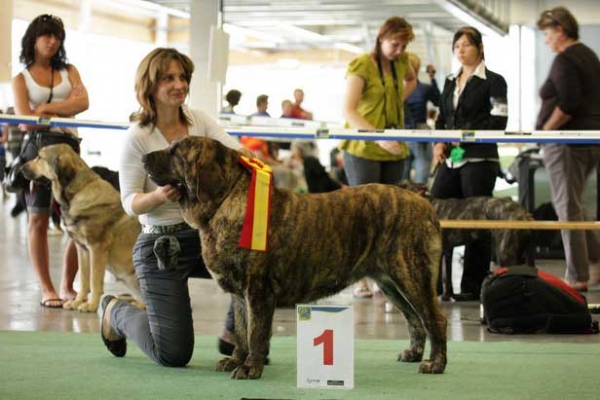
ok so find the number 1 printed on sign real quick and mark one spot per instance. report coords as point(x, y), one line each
point(326, 339)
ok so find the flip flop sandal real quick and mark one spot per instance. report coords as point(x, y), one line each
point(47, 303)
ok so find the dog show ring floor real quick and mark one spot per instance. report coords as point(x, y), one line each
point(54, 353)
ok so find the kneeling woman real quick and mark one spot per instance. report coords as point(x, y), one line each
point(164, 331)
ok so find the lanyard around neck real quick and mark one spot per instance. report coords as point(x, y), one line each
point(51, 85)
point(393, 73)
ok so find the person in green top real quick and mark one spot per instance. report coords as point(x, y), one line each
point(376, 85)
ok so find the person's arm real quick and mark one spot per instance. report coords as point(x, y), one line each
point(307, 114)
point(499, 113)
point(146, 202)
point(21, 97)
point(4, 137)
point(354, 87)
point(439, 149)
point(433, 94)
point(440, 122)
point(410, 82)
point(132, 178)
point(76, 103)
point(557, 119)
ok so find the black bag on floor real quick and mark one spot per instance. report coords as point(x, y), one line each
point(524, 299)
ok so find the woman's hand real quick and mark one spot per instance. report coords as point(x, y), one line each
point(439, 151)
point(168, 193)
point(390, 146)
point(41, 111)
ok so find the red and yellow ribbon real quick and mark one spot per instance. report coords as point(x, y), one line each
point(258, 205)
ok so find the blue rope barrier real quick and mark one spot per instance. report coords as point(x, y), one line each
point(279, 132)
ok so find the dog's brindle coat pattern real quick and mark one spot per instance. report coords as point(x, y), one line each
point(94, 218)
point(318, 245)
point(511, 245)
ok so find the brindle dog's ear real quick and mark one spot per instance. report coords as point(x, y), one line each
point(206, 174)
point(64, 171)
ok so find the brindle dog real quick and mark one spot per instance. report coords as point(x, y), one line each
point(318, 244)
point(94, 217)
point(512, 246)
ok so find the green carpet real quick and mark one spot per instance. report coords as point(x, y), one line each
point(76, 366)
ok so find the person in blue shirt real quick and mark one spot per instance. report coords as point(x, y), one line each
point(262, 103)
point(415, 117)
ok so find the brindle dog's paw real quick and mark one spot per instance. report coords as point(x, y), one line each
point(227, 364)
point(88, 306)
point(247, 372)
point(410, 355)
point(432, 367)
point(72, 304)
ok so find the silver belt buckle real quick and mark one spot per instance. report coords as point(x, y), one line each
point(165, 229)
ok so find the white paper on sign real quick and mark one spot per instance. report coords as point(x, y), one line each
point(325, 346)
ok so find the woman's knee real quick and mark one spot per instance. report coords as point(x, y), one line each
point(177, 358)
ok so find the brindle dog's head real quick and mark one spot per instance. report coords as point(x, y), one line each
point(58, 163)
point(201, 167)
point(418, 188)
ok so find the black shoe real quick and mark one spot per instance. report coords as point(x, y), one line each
point(226, 348)
point(16, 210)
point(117, 347)
point(466, 297)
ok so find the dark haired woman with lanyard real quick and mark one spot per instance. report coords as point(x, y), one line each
point(473, 98)
point(376, 85)
point(47, 87)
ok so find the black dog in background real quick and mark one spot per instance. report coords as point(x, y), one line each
point(108, 175)
point(510, 246)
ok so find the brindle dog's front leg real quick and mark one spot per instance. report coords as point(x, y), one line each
point(261, 306)
point(241, 337)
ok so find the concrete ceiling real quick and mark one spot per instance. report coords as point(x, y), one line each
point(287, 25)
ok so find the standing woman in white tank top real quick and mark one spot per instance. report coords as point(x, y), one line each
point(48, 86)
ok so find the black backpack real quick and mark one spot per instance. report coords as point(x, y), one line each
point(524, 299)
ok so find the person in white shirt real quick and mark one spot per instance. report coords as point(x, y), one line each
point(164, 330)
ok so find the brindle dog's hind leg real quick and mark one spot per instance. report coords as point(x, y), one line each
point(241, 337)
point(415, 327)
point(421, 298)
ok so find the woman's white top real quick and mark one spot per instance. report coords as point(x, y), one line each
point(133, 178)
point(39, 94)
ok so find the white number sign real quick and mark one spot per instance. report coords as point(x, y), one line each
point(325, 346)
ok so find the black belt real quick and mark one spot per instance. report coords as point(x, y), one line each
point(45, 138)
point(165, 229)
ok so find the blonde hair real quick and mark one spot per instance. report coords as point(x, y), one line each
point(149, 72)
